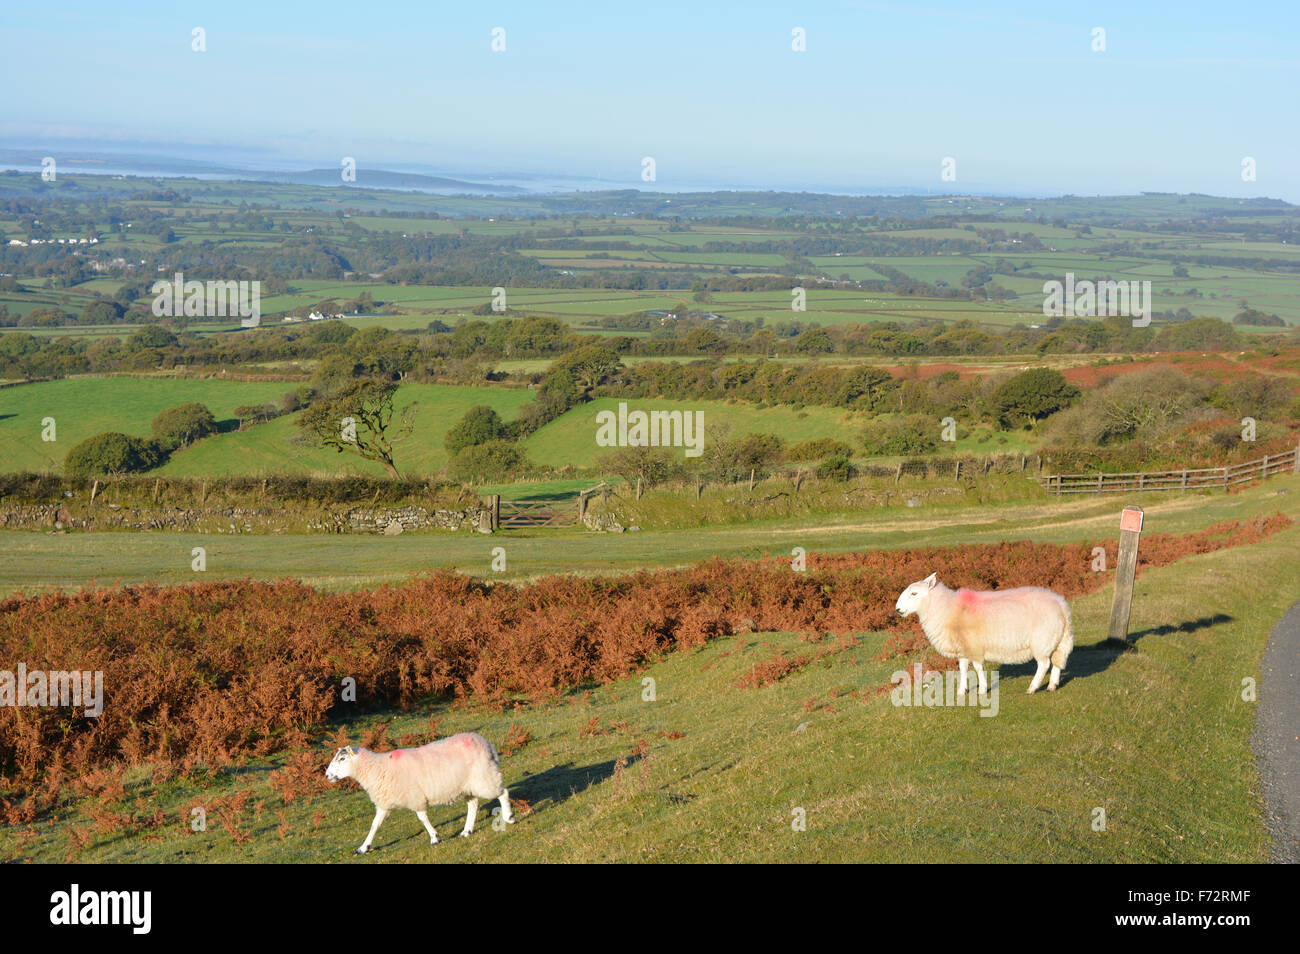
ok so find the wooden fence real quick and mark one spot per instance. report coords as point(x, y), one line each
point(1205, 478)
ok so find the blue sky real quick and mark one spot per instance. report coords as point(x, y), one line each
point(1012, 91)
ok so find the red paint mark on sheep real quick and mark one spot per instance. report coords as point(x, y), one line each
point(969, 599)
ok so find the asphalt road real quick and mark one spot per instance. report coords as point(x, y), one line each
point(1277, 736)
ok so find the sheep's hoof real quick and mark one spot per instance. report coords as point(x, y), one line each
point(1051, 688)
point(360, 851)
point(466, 834)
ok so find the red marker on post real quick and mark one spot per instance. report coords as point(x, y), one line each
point(1130, 528)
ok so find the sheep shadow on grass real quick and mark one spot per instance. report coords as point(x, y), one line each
point(1092, 659)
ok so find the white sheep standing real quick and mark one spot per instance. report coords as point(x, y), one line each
point(460, 766)
point(998, 626)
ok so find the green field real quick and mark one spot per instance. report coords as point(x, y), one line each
point(83, 407)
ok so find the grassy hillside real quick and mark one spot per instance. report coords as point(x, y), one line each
point(571, 438)
point(706, 770)
point(83, 407)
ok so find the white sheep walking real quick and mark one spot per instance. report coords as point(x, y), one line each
point(998, 626)
point(460, 766)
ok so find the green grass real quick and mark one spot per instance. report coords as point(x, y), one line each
point(571, 438)
point(276, 447)
point(82, 407)
point(32, 561)
point(1157, 737)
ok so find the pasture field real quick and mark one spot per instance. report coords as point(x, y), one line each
point(815, 765)
point(33, 562)
point(83, 407)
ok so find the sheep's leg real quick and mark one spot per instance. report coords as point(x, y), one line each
point(979, 672)
point(1038, 676)
point(963, 665)
point(471, 811)
point(1055, 680)
point(380, 815)
point(505, 807)
point(424, 820)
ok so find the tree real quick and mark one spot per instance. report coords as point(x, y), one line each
point(647, 466)
point(886, 437)
point(183, 425)
point(479, 425)
point(356, 419)
point(495, 460)
point(1031, 396)
point(814, 340)
point(586, 368)
point(111, 453)
point(150, 336)
point(101, 312)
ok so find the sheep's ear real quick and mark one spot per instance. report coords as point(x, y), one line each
point(931, 580)
point(350, 749)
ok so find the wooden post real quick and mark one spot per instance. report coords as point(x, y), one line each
point(1184, 486)
point(638, 486)
point(582, 506)
point(93, 491)
point(1130, 528)
point(751, 480)
point(1099, 480)
point(1225, 479)
point(1295, 467)
point(899, 472)
point(1022, 463)
point(494, 503)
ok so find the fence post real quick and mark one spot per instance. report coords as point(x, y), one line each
point(1184, 486)
point(899, 472)
point(638, 486)
point(495, 505)
point(1225, 478)
point(582, 505)
point(1295, 466)
point(956, 473)
point(1100, 477)
point(1130, 528)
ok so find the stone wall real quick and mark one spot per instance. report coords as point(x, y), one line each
point(340, 519)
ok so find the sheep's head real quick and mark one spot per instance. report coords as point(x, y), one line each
point(345, 759)
point(909, 601)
